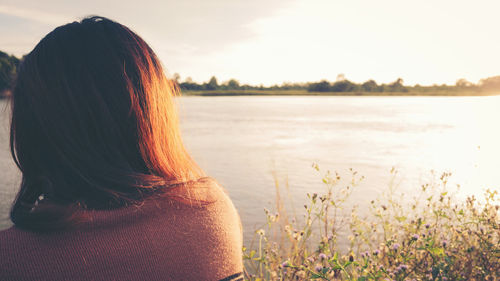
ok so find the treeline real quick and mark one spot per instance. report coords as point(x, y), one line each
point(9, 64)
point(342, 85)
point(232, 84)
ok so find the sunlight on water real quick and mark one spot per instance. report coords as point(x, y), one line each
point(242, 140)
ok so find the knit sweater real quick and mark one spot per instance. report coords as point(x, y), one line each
point(165, 238)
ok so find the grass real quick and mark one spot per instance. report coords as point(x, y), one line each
point(306, 93)
point(431, 236)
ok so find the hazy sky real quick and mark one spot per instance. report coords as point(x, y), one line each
point(266, 41)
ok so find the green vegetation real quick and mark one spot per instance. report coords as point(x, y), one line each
point(432, 236)
point(8, 67)
point(342, 87)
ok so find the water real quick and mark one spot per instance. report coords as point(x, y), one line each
point(243, 141)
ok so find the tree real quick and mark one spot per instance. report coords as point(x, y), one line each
point(397, 86)
point(490, 83)
point(343, 86)
point(370, 86)
point(176, 77)
point(212, 84)
point(463, 83)
point(8, 67)
point(233, 84)
point(190, 85)
point(322, 86)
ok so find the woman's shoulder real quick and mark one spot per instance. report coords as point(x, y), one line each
point(192, 232)
point(209, 227)
point(205, 189)
point(206, 204)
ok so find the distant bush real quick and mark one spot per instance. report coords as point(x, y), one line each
point(396, 86)
point(492, 83)
point(8, 68)
point(432, 238)
point(344, 86)
point(323, 86)
point(371, 86)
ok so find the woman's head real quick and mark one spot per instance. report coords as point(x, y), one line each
point(93, 124)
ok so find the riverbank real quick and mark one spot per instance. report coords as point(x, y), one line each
point(439, 93)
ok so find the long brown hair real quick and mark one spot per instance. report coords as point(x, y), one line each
point(94, 125)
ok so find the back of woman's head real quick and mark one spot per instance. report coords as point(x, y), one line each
point(93, 125)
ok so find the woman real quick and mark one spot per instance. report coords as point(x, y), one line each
point(108, 191)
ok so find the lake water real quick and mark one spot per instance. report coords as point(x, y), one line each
point(244, 141)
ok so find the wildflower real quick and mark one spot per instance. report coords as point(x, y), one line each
point(310, 259)
point(318, 268)
point(271, 218)
point(427, 225)
point(395, 246)
point(314, 196)
point(261, 232)
point(322, 256)
point(296, 236)
point(402, 267)
point(445, 242)
point(285, 264)
point(376, 252)
point(365, 254)
point(415, 236)
point(351, 258)
point(444, 278)
point(301, 274)
point(287, 229)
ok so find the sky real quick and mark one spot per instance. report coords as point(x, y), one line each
point(274, 41)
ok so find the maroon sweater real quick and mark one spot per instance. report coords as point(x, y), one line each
point(164, 239)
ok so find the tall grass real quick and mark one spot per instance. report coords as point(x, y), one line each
point(429, 236)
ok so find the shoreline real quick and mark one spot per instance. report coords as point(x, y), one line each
point(221, 93)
